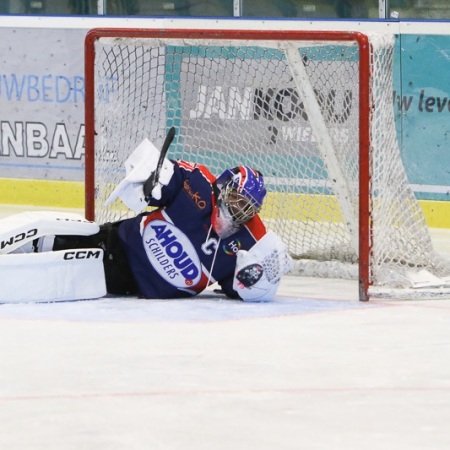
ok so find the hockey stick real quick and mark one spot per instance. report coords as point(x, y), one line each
point(154, 176)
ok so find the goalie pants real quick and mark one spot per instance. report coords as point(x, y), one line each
point(118, 276)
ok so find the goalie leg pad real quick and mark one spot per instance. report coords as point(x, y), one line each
point(52, 276)
point(258, 271)
point(20, 229)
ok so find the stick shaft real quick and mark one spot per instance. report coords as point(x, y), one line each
point(154, 176)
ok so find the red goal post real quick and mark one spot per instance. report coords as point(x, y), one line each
point(311, 109)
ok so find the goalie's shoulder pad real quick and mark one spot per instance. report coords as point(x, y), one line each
point(258, 271)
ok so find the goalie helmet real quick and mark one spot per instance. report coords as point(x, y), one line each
point(240, 195)
point(242, 191)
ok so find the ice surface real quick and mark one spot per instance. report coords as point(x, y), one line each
point(315, 369)
point(206, 307)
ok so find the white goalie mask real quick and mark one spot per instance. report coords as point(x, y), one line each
point(240, 196)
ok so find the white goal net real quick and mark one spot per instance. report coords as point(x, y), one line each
point(312, 111)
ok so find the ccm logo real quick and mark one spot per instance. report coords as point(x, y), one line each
point(20, 237)
point(83, 254)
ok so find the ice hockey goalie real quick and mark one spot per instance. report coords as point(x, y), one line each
point(203, 230)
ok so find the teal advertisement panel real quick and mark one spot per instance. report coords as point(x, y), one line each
point(422, 105)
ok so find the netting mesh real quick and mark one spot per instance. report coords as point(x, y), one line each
point(402, 247)
point(288, 109)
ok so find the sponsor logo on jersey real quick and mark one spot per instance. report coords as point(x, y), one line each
point(18, 238)
point(199, 202)
point(232, 247)
point(172, 254)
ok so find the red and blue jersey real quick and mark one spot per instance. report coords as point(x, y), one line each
point(173, 252)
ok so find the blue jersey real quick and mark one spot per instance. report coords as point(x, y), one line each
point(173, 252)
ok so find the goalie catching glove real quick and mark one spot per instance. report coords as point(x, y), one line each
point(258, 271)
point(138, 167)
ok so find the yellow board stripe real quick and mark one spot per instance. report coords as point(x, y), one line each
point(323, 208)
point(70, 194)
point(437, 213)
point(58, 194)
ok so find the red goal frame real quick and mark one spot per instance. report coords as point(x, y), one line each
point(365, 230)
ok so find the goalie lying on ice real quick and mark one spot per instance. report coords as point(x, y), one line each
point(203, 231)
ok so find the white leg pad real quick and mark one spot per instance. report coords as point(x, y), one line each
point(52, 276)
point(19, 229)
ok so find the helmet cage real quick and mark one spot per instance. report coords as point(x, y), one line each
point(240, 204)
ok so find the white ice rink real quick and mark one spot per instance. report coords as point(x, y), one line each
point(315, 369)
